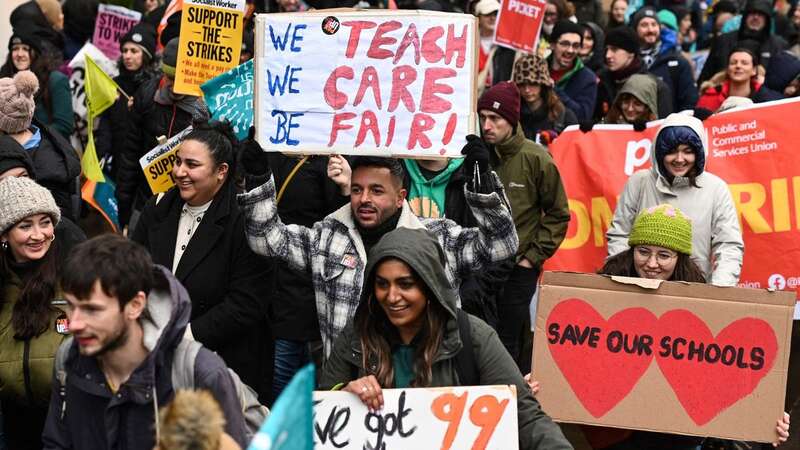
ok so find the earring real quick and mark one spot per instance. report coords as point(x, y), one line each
point(52, 238)
point(4, 245)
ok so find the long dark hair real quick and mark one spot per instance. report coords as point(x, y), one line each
point(373, 327)
point(555, 108)
point(621, 264)
point(41, 66)
point(33, 310)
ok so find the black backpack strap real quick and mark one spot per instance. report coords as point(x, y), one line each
point(466, 365)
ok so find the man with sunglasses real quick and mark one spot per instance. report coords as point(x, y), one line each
point(576, 85)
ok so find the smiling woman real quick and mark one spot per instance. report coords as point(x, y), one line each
point(30, 331)
point(408, 332)
point(197, 230)
point(678, 177)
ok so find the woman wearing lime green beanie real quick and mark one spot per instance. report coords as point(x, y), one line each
point(659, 246)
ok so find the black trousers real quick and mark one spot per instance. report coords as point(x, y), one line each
point(513, 314)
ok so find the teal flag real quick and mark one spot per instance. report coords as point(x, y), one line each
point(289, 425)
point(229, 96)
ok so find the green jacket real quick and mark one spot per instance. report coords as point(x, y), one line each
point(418, 249)
point(26, 367)
point(62, 117)
point(534, 189)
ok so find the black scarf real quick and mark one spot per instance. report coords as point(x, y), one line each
point(621, 76)
point(371, 236)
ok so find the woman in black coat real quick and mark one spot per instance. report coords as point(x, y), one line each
point(197, 230)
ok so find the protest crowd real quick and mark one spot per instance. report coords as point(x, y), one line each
point(134, 316)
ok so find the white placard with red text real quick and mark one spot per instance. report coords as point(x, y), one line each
point(376, 82)
point(478, 417)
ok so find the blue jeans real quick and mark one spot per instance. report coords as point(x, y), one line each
point(290, 356)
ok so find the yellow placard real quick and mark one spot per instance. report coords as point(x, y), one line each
point(157, 163)
point(210, 42)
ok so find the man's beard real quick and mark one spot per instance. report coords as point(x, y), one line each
point(116, 342)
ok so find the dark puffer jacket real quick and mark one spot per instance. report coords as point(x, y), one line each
point(89, 416)
point(419, 249)
point(57, 168)
point(721, 47)
point(148, 121)
point(673, 69)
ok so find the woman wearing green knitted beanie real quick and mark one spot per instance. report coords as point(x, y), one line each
point(659, 246)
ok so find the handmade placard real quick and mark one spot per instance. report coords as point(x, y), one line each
point(477, 417)
point(375, 83)
point(712, 360)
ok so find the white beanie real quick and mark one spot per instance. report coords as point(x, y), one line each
point(21, 197)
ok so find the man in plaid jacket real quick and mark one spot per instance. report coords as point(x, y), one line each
point(335, 249)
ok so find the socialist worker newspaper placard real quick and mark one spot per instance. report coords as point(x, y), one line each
point(210, 42)
point(377, 83)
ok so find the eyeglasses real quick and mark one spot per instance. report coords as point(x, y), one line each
point(662, 257)
point(568, 44)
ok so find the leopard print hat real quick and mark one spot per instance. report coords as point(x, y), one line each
point(532, 69)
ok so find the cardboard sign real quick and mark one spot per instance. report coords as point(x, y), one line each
point(111, 24)
point(230, 97)
point(157, 163)
point(713, 359)
point(210, 42)
point(519, 23)
point(373, 82)
point(478, 417)
point(752, 149)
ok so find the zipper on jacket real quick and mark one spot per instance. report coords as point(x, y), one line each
point(26, 371)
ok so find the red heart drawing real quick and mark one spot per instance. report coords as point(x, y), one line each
point(706, 389)
point(599, 377)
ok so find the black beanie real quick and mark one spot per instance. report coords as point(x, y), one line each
point(23, 37)
point(169, 59)
point(143, 35)
point(13, 155)
point(624, 38)
point(564, 27)
point(641, 13)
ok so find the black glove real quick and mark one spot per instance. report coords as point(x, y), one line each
point(639, 125)
point(586, 125)
point(252, 158)
point(475, 152)
point(702, 113)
